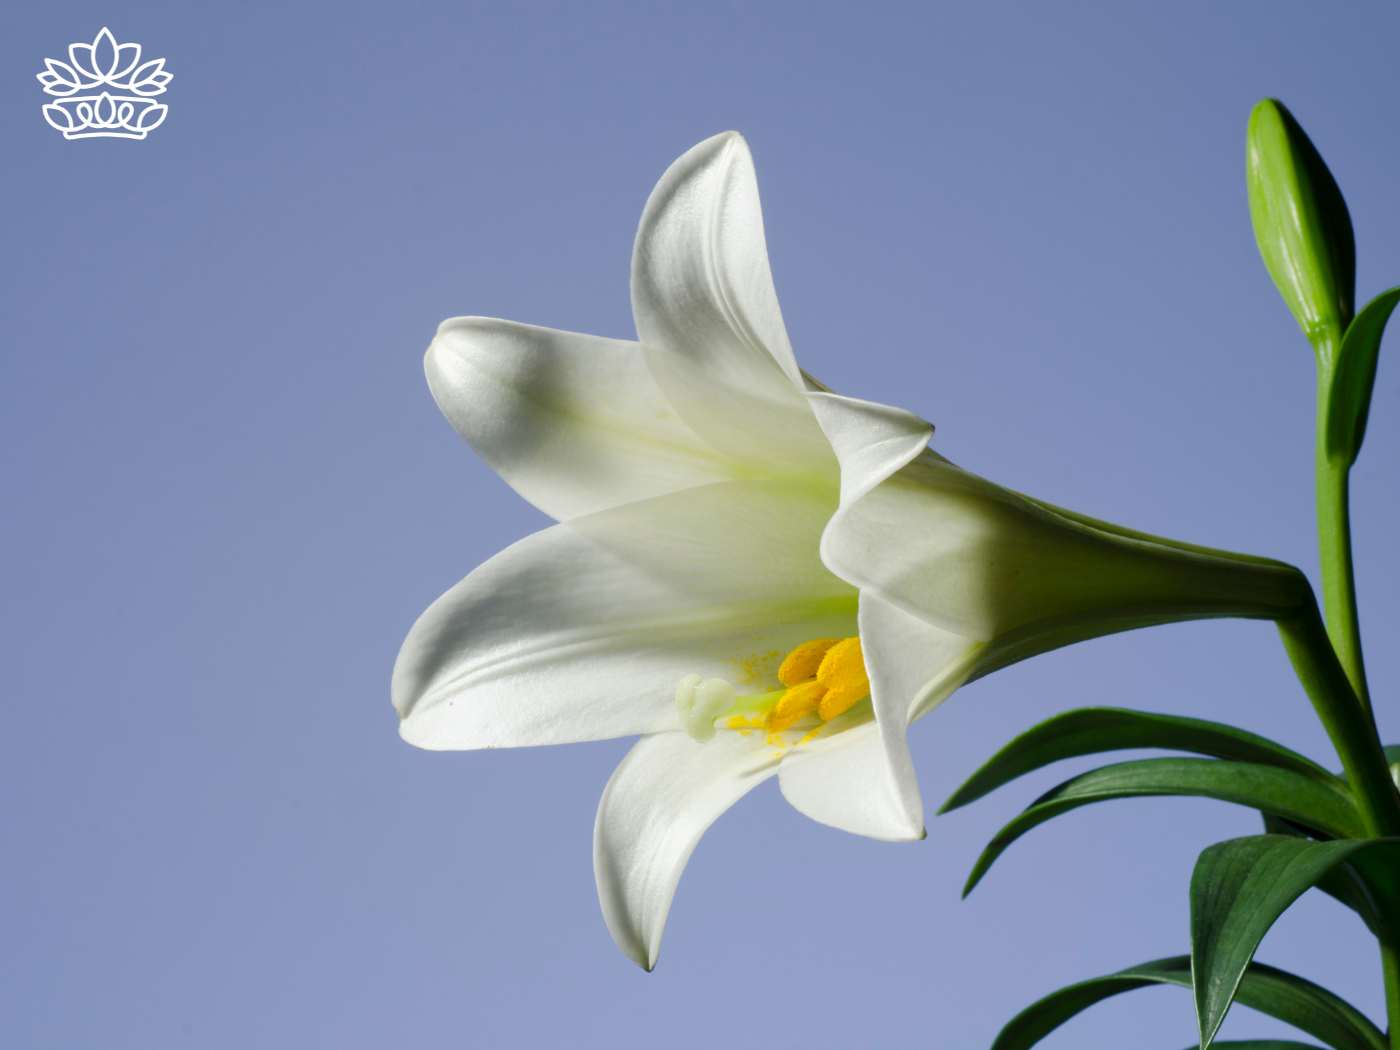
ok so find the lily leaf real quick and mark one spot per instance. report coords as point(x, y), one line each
point(1342, 883)
point(1304, 800)
point(1354, 374)
point(1262, 1044)
point(1282, 995)
point(1238, 890)
point(1093, 730)
point(1366, 884)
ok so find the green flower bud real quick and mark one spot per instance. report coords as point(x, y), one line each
point(1300, 223)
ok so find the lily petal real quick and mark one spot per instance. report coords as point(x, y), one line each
point(707, 313)
point(583, 630)
point(988, 563)
point(662, 797)
point(872, 441)
point(985, 562)
point(574, 423)
point(878, 535)
point(863, 780)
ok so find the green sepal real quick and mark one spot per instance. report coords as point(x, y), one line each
point(1094, 730)
point(1285, 996)
point(1354, 375)
point(1301, 223)
point(1304, 800)
point(1238, 890)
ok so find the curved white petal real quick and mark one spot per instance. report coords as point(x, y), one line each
point(942, 544)
point(583, 630)
point(660, 799)
point(990, 564)
point(707, 313)
point(872, 441)
point(918, 545)
point(574, 423)
point(863, 780)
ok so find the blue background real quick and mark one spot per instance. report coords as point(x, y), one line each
point(227, 494)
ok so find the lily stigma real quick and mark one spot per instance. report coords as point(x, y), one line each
point(759, 577)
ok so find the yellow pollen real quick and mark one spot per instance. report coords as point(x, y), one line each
point(842, 674)
point(742, 725)
point(797, 703)
point(802, 663)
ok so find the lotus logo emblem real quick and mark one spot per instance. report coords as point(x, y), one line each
point(104, 90)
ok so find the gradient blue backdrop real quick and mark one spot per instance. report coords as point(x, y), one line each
point(227, 494)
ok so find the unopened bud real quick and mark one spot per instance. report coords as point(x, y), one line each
point(1301, 224)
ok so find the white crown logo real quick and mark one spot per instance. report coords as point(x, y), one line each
point(130, 113)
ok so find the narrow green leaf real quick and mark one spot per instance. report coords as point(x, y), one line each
point(1238, 890)
point(1304, 800)
point(1261, 1044)
point(1366, 883)
point(1301, 223)
point(1354, 375)
point(1094, 730)
point(1342, 883)
point(1281, 995)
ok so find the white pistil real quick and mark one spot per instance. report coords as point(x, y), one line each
point(700, 701)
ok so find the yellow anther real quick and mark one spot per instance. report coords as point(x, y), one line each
point(797, 703)
point(822, 679)
point(802, 663)
point(842, 674)
point(836, 704)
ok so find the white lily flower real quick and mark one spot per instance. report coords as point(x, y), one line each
point(758, 576)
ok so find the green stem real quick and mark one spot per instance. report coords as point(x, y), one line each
point(1353, 734)
point(1355, 738)
point(1390, 968)
point(1339, 585)
point(1350, 727)
point(1338, 579)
